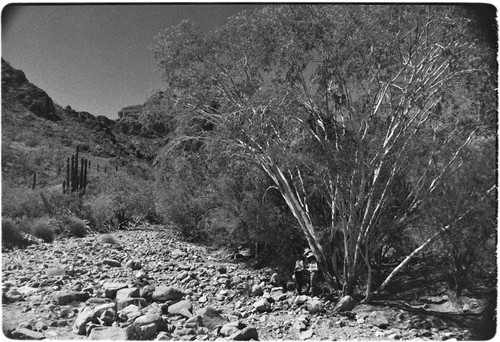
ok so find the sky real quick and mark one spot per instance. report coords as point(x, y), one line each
point(97, 58)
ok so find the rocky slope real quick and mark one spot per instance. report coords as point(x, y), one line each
point(146, 284)
point(27, 108)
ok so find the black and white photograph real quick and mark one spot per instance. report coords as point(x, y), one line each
point(252, 171)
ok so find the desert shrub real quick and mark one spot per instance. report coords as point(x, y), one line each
point(187, 216)
point(43, 229)
point(19, 202)
point(75, 226)
point(11, 235)
point(101, 208)
point(32, 140)
point(110, 238)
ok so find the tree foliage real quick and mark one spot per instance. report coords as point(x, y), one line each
point(358, 114)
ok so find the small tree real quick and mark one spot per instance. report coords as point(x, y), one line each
point(340, 106)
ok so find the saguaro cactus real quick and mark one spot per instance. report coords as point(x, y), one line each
point(34, 182)
point(76, 177)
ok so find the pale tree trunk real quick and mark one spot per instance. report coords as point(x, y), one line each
point(299, 211)
point(427, 243)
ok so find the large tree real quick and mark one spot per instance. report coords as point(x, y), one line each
point(356, 113)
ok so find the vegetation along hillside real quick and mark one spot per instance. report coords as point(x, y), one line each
point(367, 134)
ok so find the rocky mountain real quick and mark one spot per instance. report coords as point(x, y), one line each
point(16, 88)
point(29, 111)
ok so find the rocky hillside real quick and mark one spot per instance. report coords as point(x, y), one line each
point(31, 122)
point(17, 90)
point(147, 285)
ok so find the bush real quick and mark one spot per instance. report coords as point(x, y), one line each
point(11, 235)
point(43, 229)
point(19, 202)
point(110, 238)
point(120, 200)
point(75, 226)
point(101, 208)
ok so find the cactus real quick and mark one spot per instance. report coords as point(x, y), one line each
point(76, 177)
point(34, 182)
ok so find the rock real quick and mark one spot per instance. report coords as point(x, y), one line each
point(130, 312)
point(164, 293)
point(299, 300)
point(64, 297)
point(245, 334)
point(230, 328)
point(347, 303)
point(13, 296)
point(27, 334)
point(140, 302)
point(262, 305)
point(182, 275)
point(85, 316)
point(147, 292)
point(148, 319)
point(177, 253)
point(132, 292)
point(98, 310)
point(110, 289)
point(314, 305)
point(290, 285)
point(210, 317)
point(107, 317)
point(222, 269)
point(27, 290)
point(55, 272)
point(257, 290)
point(112, 262)
point(298, 326)
point(378, 319)
point(182, 308)
point(134, 264)
point(146, 332)
point(163, 336)
point(112, 333)
point(306, 335)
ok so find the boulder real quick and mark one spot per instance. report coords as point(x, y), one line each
point(314, 305)
point(110, 289)
point(112, 262)
point(257, 290)
point(182, 308)
point(148, 319)
point(299, 300)
point(231, 328)
point(132, 292)
point(130, 312)
point(85, 316)
point(164, 293)
point(146, 332)
point(65, 298)
point(347, 303)
point(245, 334)
point(26, 334)
point(210, 317)
point(140, 302)
point(262, 305)
point(378, 319)
point(134, 264)
point(112, 333)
